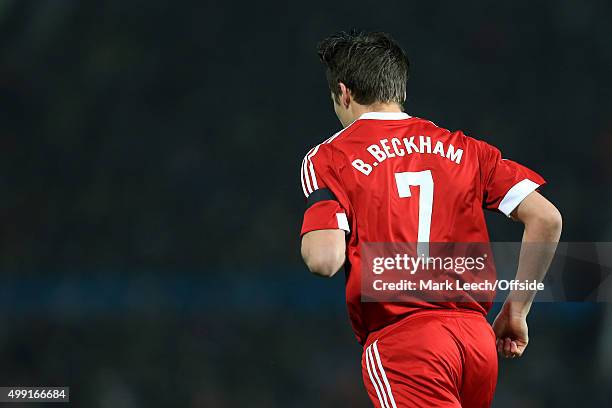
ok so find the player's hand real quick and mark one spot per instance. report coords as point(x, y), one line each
point(511, 332)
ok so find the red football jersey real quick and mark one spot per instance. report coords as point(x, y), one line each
point(389, 177)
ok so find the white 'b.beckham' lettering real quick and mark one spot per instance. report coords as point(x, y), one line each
point(387, 149)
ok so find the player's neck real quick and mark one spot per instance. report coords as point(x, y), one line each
point(358, 110)
point(381, 107)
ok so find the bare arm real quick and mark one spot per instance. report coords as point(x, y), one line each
point(542, 231)
point(323, 251)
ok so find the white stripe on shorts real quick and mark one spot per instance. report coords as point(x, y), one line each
point(374, 378)
point(383, 375)
point(367, 355)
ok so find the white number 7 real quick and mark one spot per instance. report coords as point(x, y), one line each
point(424, 181)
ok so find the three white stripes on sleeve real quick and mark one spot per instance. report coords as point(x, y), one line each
point(308, 175)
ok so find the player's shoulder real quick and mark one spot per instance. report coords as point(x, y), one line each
point(458, 135)
point(317, 161)
point(477, 149)
point(428, 126)
point(324, 149)
point(318, 151)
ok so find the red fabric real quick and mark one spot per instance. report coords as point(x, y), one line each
point(500, 175)
point(467, 176)
point(322, 215)
point(432, 359)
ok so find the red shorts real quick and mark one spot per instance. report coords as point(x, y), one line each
point(437, 358)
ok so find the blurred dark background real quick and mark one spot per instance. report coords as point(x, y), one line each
point(151, 204)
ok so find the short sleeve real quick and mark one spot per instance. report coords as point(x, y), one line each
point(326, 214)
point(505, 182)
point(323, 193)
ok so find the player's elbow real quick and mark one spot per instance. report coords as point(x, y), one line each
point(542, 219)
point(549, 222)
point(323, 251)
point(325, 262)
point(555, 220)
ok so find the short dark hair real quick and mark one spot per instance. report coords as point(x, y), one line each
point(372, 65)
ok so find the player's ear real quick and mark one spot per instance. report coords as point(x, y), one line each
point(345, 95)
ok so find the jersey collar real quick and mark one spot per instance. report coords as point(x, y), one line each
point(385, 115)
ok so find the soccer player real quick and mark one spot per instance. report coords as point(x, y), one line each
point(416, 354)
